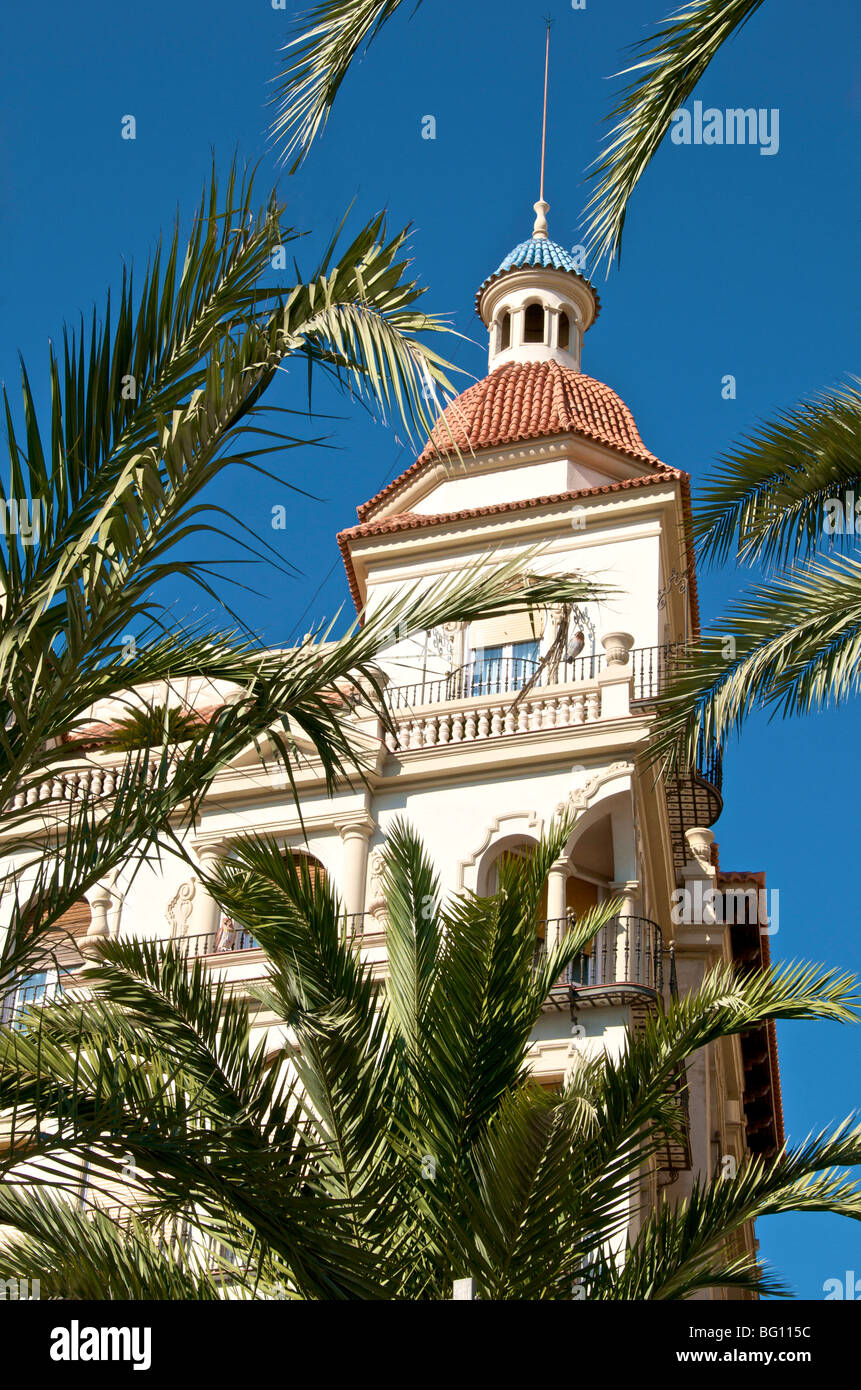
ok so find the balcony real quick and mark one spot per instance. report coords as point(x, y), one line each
point(651, 668)
point(217, 943)
point(506, 676)
point(473, 702)
point(625, 959)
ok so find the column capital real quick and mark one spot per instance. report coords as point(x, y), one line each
point(625, 885)
point(360, 827)
point(561, 866)
point(214, 847)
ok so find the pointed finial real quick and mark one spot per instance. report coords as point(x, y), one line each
point(542, 208)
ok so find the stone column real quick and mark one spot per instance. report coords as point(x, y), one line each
point(615, 679)
point(556, 881)
point(205, 913)
point(355, 835)
point(628, 890)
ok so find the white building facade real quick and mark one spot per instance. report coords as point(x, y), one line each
point(493, 739)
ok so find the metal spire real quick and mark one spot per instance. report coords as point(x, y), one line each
point(541, 208)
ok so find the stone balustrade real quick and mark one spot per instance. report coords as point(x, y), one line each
point(480, 718)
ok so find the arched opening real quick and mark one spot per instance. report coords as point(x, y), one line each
point(512, 849)
point(59, 956)
point(581, 896)
point(564, 331)
point(505, 331)
point(533, 324)
point(308, 867)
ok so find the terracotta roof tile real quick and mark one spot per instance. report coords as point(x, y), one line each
point(526, 400)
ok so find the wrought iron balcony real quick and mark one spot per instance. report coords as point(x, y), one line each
point(235, 940)
point(217, 943)
point(626, 955)
point(14, 1001)
point(628, 951)
point(651, 669)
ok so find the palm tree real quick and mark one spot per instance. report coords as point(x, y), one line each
point(782, 498)
point(370, 1138)
point(145, 409)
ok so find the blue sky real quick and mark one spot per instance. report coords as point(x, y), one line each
point(734, 263)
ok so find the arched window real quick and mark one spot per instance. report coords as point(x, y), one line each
point(57, 958)
point(307, 865)
point(514, 849)
point(533, 324)
point(233, 935)
point(505, 332)
point(564, 331)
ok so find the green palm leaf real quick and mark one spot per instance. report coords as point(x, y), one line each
point(668, 66)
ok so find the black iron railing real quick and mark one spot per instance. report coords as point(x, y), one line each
point(626, 951)
point(653, 668)
point(492, 676)
point(710, 765)
point(14, 1001)
point(218, 943)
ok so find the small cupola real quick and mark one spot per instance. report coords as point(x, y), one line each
point(536, 306)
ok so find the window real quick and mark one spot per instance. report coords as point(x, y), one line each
point(32, 990)
point(533, 324)
point(506, 667)
point(505, 332)
point(564, 331)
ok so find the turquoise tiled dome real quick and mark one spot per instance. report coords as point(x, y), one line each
point(538, 251)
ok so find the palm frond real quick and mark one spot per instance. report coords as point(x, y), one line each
point(791, 646)
point(317, 61)
point(781, 494)
point(669, 64)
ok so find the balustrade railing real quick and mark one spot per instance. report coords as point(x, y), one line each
point(626, 951)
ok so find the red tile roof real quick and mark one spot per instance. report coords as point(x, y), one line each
point(523, 400)
point(527, 400)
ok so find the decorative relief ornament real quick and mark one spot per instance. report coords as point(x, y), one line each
point(578, 800)
point(180, 907)
point(377, 906)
